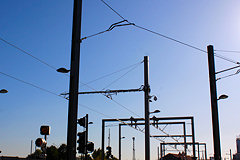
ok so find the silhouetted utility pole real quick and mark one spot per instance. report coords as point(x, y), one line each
point(74, 80)
point(214, 106)
point(133, 138)
point(146, 96)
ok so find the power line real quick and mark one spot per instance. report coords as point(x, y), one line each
point(113, 10)
point(27, 53)
point(121, 76)
point(228, 51)
point(45, 90)
point(52, 67)
point(226, 59)
point(167, 37)
point(118, 24)
point(109, 74)
point(30, 84)
point(238, 71)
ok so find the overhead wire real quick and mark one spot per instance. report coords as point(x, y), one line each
point(227, 51)
point(238, 71)
point(27, 53)
point(50, 66)
point(33, 85)
point(85, 106)
point(109, 74)
point(121, 76)
point(45, 90)
point(117, 24)
point(164, 36)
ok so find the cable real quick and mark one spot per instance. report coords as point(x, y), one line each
point(227, 59)
point(121, 76)
point(45, 90)
point(227, 51)
point(33, 85)
point(113, 10)
point(118, 24)
point(109, 74)
point(27, 53)
point(167, 37)
point(45, 63)
point(238, 71)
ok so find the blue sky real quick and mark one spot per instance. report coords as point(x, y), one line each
point(178, 74)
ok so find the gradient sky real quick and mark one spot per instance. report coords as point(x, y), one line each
point(178, 74)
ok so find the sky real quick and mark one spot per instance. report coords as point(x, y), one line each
point(178, 74)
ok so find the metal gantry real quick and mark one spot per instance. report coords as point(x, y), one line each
point(156, 136)
point(129, 120)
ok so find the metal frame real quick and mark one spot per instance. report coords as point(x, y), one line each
point(162, 148)
point(155, 119)
point(159, 123)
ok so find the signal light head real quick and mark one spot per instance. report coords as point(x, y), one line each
point(40, 142)
point(45, 130)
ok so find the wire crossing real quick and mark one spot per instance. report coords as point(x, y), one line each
point(167, 37)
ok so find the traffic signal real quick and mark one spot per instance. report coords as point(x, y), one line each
point(82, 122)
point(109, 152)
point(45, 130)
point(81, 142)
point(40, 142)
point(90, 147)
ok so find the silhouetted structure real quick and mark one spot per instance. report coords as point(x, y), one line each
point(237, 155)
point(179, 156)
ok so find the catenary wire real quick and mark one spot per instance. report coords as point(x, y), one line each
point(27, 53)
point(52, 67)
point(33, 85)
point(164, 36)
point(227, 51)
point(109, 74)
point(238, 71)
point(121, 76)
point(45, 90)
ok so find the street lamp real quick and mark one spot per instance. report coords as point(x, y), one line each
point(223, 96)
point(3, 91)
point(63, 70)
point(156, 111)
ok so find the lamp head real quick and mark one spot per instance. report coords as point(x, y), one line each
point(63, 70)
point(223, 96)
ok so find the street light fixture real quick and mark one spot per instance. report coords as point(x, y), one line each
point(223, 96)
point(3, 91)
point(63, 70)
point(156, 111)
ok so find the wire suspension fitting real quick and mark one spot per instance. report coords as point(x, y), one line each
point(117, 24)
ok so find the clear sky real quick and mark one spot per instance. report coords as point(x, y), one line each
point(178, 74)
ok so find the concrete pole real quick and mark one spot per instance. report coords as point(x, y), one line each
point(119, 141)
point(146, 96)
point(103, 132)
point(214, 106)
point(74, 81)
